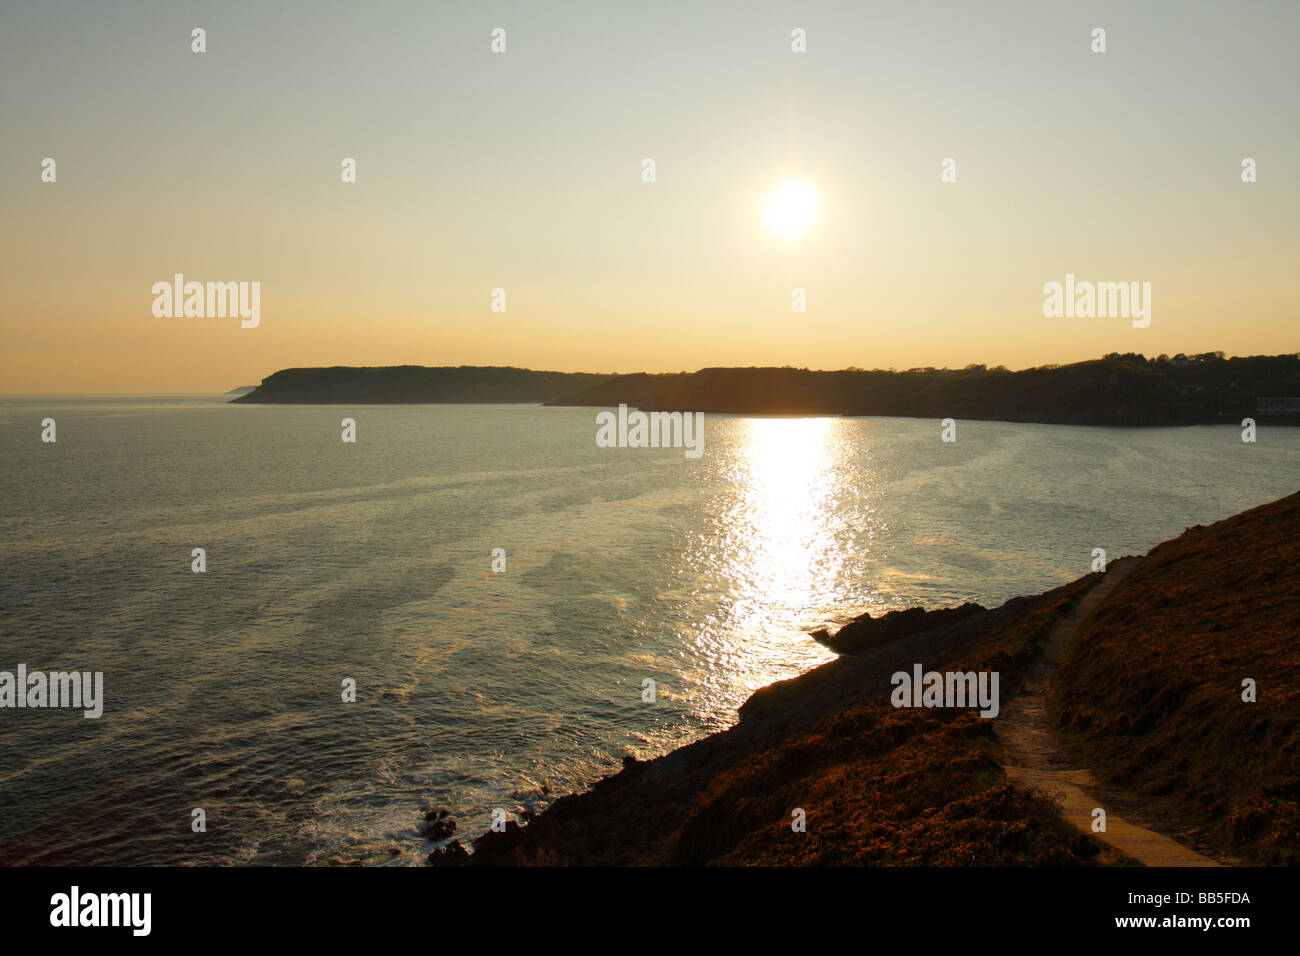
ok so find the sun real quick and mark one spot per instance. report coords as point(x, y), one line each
point(791, 209)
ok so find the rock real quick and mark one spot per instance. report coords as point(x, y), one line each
point(439, 828)
point(452, 853)
point(865, 632)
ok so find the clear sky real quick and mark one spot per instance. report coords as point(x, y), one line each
point(523, 170)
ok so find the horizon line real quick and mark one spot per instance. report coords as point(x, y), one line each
point(847, 368)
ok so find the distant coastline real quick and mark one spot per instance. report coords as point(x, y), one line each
point(1118, 390)
point(416, 385)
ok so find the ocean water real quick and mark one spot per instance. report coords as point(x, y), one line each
point(478, 690)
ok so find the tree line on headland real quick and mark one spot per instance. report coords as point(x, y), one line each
point(1118, 389)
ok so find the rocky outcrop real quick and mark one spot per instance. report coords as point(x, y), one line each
point(438, 825)
point(865, 632)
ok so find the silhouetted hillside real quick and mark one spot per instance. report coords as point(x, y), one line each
point(1152, 695)
point(1115, 390)
point(416, 384)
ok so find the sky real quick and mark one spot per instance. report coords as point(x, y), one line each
point(522, 171)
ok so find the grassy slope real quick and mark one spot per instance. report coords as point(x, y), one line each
point(879, 786)
point(886, 786)
point(1150, 697)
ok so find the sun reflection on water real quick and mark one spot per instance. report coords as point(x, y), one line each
point(775, 559)
point(786, 546)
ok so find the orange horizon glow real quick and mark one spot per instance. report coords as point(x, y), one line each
point(523, 172)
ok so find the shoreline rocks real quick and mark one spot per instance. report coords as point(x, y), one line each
point(439, 825)
point(864, 632)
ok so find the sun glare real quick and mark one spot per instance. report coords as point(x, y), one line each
point(791, 209)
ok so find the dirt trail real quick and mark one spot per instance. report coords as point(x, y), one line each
point(1033, 757)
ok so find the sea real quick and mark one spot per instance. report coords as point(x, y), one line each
point(475, 607)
